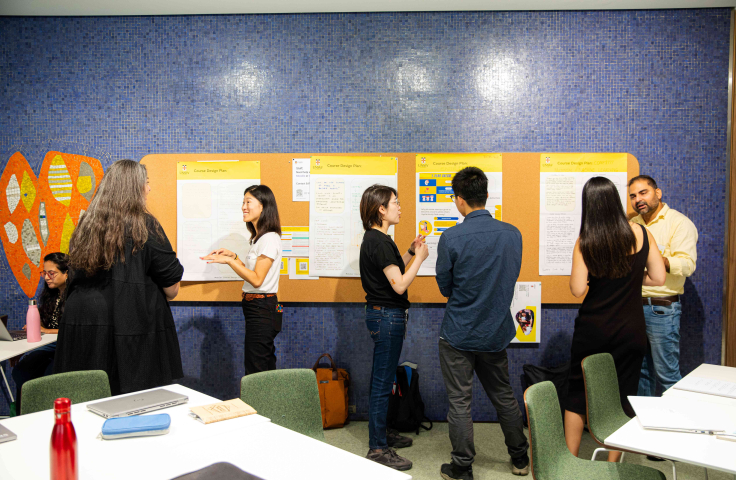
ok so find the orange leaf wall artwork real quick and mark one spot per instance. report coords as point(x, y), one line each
point(38, 214)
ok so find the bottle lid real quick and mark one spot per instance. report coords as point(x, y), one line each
point(31, 302)
point(61, 404)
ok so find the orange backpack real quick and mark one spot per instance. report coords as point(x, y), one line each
point(333, 393)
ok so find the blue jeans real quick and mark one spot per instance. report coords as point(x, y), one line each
point(387, 327)
point(662, 361)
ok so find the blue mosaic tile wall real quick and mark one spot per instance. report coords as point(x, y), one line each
point(651, 83)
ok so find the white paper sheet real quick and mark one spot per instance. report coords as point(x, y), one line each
point(526, 310)
point(300, 179)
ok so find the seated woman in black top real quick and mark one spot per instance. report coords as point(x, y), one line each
point(385, 280)
point(40, 362)
point(124, 271)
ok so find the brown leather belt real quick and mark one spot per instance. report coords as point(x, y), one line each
point(252, 296)
point(660, 301)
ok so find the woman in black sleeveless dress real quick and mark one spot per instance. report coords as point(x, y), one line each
point(611, 319)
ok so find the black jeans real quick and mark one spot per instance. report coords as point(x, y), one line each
point(492, 369)
point(262, 324)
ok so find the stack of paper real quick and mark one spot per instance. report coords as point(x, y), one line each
point(707, 385)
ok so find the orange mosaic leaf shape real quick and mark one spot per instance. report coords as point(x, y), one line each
point(50, 205)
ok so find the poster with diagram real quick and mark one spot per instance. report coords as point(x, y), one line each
point(335, 228)
point(209, 215)
point(526, 310)
point(561, 181)
point(436, 211)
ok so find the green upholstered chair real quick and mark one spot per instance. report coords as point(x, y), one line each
point(83, 386)
point(289, 397)
point(550, 458)
point(605, 413)
point(603, 400)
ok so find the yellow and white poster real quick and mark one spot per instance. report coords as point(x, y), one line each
point(561, 181)
point(209, 215)
point(526, 310)
point(436, 211)
point(335, 229)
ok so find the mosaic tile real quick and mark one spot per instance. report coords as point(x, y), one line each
point(650, 83)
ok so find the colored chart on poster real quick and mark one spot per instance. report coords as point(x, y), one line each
point(526, 310)
point(210, 216)
point(335, 228)
point(436, 210)
point(561, 181)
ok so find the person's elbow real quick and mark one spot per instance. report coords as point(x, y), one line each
point(258, 282)
point(399, 289)
point(172, 291)
point(577, 290)
point(446, 291)
point(658, 278)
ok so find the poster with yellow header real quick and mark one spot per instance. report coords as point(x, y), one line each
point(436, 211)
point(526, 310)
point(209, 215)
point(561, 182)
point(335, 229)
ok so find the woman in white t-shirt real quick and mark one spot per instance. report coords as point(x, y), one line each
point(260, 270)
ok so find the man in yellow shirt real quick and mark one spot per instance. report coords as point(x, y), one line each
point(676, 238)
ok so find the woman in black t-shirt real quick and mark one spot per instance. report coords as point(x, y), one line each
point(385, 280)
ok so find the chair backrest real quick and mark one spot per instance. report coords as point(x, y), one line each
point(605, 413)
point(546, 436)
point(289, 397)
point(83, 386)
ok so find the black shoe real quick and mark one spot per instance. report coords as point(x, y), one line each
point(655, 459)
point(520, 466)
point(450, 471)
point(397, 441)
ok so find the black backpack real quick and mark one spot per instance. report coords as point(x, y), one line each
point(405, 405)
point(557, 375)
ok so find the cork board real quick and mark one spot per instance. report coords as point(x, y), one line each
point(520, 208)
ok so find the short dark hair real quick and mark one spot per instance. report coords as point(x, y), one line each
point(269, 220)
point(370, 204)
point(471, 184)
point(646, 178)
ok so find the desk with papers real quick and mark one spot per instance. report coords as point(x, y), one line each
point(698, 449)
point(251, 443)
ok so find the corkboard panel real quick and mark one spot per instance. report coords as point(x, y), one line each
point(520, 207)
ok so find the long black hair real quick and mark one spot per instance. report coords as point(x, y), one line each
point(50, 295)
point(606, 240)
point(269, 219)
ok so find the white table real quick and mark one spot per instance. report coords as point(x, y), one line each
point(703, 450)
point(251, 443)
point(19, 347)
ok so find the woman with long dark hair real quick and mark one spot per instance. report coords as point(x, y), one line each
point(40, 362)
point(124, 271)
point(385, 275)
point(608, 260)
point(260, 270)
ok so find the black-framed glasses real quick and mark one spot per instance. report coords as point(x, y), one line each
point(452, 197)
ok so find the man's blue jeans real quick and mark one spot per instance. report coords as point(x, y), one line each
point(387, 327)
point(662, 361)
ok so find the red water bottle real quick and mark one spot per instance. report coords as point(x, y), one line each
point(63, 443)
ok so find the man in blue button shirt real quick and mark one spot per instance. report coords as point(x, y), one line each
point(478, 263)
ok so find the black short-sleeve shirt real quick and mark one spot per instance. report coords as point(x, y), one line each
point(377, 252)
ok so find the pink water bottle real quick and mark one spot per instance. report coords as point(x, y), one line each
point(33, 323)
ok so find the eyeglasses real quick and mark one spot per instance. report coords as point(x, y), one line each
point(51, 274)
point(452, 197)
point(398, 204)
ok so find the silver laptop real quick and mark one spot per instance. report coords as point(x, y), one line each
point(137, 404)
point(10, 335)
